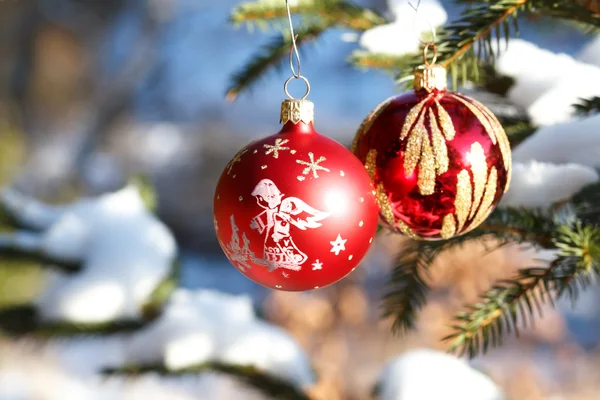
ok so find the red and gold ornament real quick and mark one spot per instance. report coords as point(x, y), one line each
point(440, 161)
point(296, 210)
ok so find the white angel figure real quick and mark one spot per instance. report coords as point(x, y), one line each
point(280, 251)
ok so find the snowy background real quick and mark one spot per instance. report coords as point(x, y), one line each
point(92, 93)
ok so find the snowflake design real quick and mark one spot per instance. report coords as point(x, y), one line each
point(237, 158)
point(312, 165)
point(275, 149)
point(317, 265)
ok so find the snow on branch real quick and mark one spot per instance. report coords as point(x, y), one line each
point(124, 252)
point(547, 84)
point(539, 185)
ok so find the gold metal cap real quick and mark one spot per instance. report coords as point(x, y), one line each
point(297, 110)
point(429, 77)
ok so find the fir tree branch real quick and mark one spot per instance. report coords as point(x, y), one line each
point(24, 319)
point(587, 106)
point(330, 12)
point(407, 289)
point(584, 205)
point(510, 304)
point(466, 45)
point(271, 386)
point(271, 55)
point(365, 59)
point(477, 24)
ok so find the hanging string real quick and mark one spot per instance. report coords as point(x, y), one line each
point(294, 52)
point(294, 49)
point(433, 32)
point(426, 45)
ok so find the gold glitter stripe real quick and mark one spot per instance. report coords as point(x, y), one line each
point(448, 227)
point(404, 228)
point(368, 122)
point(439, 145)
point(412, 154)
point(445, 121)
point(504, 145)
point(384, 205)
point(426, 179)
point(370, 163)
point(478, 110)
point(411, 117)
point(488, 200)
point(462, 201)
point(480, 172)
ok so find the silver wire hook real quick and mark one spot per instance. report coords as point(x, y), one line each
point(433, 32)
point(294, 49)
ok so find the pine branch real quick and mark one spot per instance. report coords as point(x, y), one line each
point(24, 319)
point(329, 12)
point(271, 386)
point(587, 106)
point(365, 59)
point(466, 45)
point(271, 55)
point(585, 205)
point(407, 290)
point(510, 304)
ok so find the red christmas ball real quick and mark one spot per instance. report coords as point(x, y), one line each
point(440, 161)
point(296, 210)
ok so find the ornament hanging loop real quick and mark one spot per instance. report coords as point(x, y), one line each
point(426, 49)
point(294, 49)
point(285, 87)
point(294, 53)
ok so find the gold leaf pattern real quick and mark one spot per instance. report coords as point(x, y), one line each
point(504, 145)
point(384, 205)
point(370, 163)
point(476, 157)
point(477, 110)
point(412, 153)
point(462, 201)
point(411, 117)
point(439, 145)
point(368, 122)
point(404, 228)
point(445, 121)
point(488, 199)
point(426, 179)
point(495, 131)
point(448, 227)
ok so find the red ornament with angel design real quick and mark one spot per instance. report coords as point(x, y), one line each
point(296, 210)
point(440, 161)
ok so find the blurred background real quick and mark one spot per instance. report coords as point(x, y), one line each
point(93, 93)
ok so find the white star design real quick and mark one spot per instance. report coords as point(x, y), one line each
point(338, 245)
point(317, 265)
point(277, 147)
point(285, 275)
point(313, 165)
